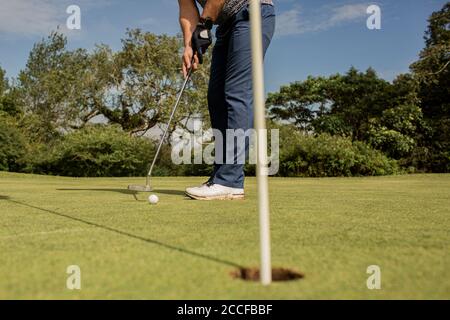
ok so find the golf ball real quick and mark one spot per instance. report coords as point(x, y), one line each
point(153, 199)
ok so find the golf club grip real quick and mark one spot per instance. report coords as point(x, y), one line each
point(188, 77)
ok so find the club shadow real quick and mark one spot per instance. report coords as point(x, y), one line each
point(170, 192)
point(128, 192)
point(132, 236)
point(123, 191)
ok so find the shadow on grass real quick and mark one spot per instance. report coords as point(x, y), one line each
point(171, 192)
point(129, 235)
point(129, 192)
point(4, 197)
point(122, 191)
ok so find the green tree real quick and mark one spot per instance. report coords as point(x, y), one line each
point(340, 104)
point(8, 97)
point(432, 71)
point(3, 82)
point(300, 103)
point(51, 85)
point(433, 67)
point(137, 86)
point(358, 105)
point(13, 146)
point(395, 131)
point(399, 128)
point(356, 98)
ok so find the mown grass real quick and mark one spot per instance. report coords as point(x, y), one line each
point(329, 229)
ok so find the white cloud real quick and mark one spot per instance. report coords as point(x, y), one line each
point(37, 17)
point(29, 17)
point(289, 22)
point(295, 21)
point(349, 12)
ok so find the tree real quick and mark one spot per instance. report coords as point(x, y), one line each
point(432, 71)
point(8, 97)
point(358, 105)
point(433, 67)
point(3, 82)
point(51, 85)
point(3, 88)
point(300, 102)
point(137, 86)
point(340, 104)
point(356, 98)
point(13, 146)
point(395, 132)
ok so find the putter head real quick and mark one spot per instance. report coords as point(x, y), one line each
point(140, 188)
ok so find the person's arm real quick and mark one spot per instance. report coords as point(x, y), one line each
point(189, 18)
point(212, 9)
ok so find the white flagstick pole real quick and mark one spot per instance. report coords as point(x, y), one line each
point(260, 125)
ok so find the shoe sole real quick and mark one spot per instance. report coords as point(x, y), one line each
point(224, 197)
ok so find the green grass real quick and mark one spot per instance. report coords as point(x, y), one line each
point(329, 229)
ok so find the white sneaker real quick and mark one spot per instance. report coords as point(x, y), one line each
point(215, 192)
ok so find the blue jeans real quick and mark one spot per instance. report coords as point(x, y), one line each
point(230, 94)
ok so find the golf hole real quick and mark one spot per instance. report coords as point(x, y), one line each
point(278, 274)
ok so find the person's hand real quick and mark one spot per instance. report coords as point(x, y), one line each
point(187, 60)
point(201, 40)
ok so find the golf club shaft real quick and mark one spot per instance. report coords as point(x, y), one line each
point(169, 123)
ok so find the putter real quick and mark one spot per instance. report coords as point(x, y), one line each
point(147, 187)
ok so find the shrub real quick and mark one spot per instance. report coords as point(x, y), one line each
point(98, 151)
point(331, 156)
point(13, 146)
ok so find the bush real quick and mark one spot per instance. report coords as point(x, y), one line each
point(107, 151)
point(331, 156)
point(12, 146)
point(98, 151)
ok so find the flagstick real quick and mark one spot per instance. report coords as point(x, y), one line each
point(260, 125)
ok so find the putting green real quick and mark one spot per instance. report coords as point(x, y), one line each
point(329, 229)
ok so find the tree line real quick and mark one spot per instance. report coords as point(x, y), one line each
point(408, 119)
point(84, 113)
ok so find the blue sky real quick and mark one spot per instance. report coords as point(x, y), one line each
point(314, 37)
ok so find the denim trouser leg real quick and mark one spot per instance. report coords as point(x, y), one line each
point(230, 94)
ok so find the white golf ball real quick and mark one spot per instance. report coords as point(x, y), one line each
point(153, 199)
